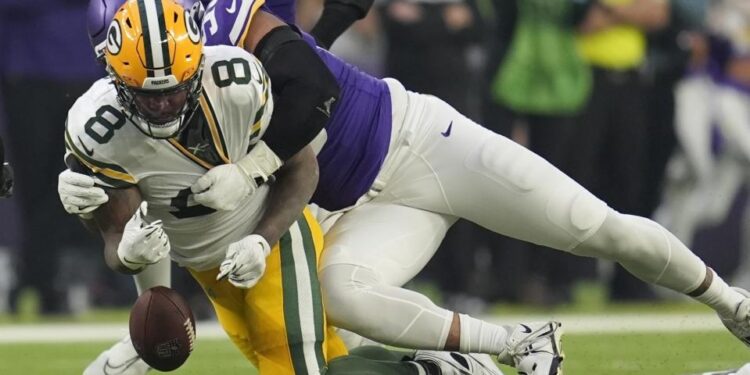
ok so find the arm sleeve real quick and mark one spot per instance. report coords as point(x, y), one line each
point(304, 91)
point(337, 16)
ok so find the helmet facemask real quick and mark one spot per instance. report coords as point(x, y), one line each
point(160, 113)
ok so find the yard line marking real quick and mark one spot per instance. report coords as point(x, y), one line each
point(211, 330)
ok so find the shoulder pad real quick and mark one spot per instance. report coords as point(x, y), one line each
point(91, 124)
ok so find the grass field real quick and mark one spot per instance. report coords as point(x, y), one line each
point(586, 354)
point(652, 339)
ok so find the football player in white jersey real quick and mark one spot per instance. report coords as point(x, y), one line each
point(433, 165)
point(171, 111)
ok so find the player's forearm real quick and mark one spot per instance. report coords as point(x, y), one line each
point(110, 219)
point(290, 193)
point(111, 242)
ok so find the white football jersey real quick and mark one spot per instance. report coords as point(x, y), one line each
point(234, 112)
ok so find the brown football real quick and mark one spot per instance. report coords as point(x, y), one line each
point(162, 328)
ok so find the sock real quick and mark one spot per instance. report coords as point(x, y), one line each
point(481, 337)
point(715, 293)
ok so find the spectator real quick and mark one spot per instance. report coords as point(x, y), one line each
point(539, 88)
point(427, 47)
point(611, 138)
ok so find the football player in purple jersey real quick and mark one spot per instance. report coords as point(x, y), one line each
point(398, 168)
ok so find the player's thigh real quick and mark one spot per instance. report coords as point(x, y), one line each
point(473, 173)
point(229, 305)
point(284, 311)
point(393, 240)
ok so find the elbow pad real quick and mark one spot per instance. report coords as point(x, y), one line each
point(305, 91)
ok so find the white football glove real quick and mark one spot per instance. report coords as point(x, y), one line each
point(142, 243)
point(79, 194)
point(225, 186)
point(245, 261)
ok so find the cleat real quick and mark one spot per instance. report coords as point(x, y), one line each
point(454, 363)
point(534, 349)
point(739, 323)
point(120, 359)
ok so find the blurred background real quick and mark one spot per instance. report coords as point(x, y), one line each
point(644, 102)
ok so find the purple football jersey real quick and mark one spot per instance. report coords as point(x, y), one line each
point(359, 129)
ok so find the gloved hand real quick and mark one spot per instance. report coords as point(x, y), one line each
point(245, 261)
point(79, 194)
point(142, 243)
point(225, 186)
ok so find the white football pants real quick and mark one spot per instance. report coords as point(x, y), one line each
point(443, 166)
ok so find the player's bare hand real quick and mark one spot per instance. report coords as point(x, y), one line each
point(142, 243)
point(79, 194)
point(245, 261)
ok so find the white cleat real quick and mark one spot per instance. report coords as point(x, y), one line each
point(454, 363)
point(739, 324)
point(120, 359)
point(534, 349)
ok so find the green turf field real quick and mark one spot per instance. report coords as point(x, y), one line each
point(586, 354)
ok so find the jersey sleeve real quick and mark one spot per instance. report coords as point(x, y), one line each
point(226, 22)
point(84, 154)
point(264, 101)
point(241, 93)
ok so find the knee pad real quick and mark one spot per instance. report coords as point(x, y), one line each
point(620, 236)
point(343, 288)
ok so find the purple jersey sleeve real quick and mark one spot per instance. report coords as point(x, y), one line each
point(226, 22)
point(284, 9)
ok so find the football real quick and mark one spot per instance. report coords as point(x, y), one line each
point(162, 328)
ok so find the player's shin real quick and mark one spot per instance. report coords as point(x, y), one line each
point(655, 255)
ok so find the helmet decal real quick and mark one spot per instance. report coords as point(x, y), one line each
point(193, 31)
point(155, 40)
point(114, 38)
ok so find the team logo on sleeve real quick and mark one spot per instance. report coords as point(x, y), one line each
point(193, 31)
point(114, 38)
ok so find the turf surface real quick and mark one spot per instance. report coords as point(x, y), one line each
point(586, 354)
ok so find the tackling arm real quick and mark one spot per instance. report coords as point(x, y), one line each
point(303, 87)
point(293, 188)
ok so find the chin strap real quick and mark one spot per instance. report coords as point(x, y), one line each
point(260, 164)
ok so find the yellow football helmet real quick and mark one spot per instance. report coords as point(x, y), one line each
point(154, 54)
